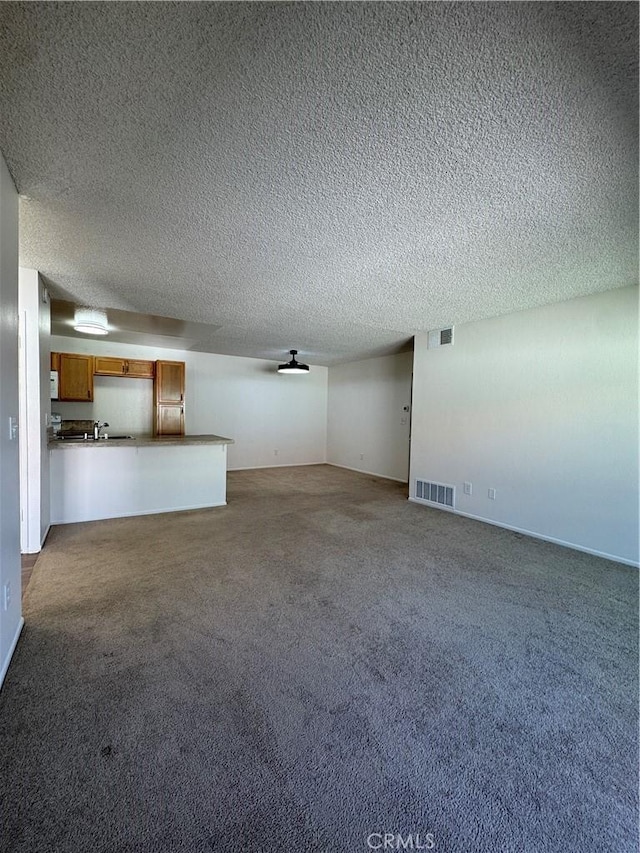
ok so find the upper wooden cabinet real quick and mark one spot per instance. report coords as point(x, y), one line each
point(170, 381)
point(75, 376)
point(140, 369)
point(107, 366)
point(135, 368)
point(168, 398)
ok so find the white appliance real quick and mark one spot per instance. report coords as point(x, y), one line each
point(54, 384)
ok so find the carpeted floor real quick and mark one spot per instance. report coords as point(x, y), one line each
point(315, 665)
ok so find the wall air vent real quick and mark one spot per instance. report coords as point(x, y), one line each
point(436, 493)
point(440, 337)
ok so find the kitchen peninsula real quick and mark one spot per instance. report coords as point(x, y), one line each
point(112, 478)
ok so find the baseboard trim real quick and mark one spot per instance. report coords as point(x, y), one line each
point(137, 514)
point(12, 648)
point(369, 473)
point(284, 465)
point(614, 558)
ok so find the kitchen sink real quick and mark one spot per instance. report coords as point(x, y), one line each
point(91, 438)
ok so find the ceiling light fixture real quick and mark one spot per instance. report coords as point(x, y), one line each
point(90, 321)
point(293, 366)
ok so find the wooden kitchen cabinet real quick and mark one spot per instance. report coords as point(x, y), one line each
point(168, 398)
point(134, 368)
point(169, 420)
point(75, 376)
point(108, 366)
point(169, 385)
point(140, 369)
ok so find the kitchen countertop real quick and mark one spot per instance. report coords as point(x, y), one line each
point(142, 441)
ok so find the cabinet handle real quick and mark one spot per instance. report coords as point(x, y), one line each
point(125, 366)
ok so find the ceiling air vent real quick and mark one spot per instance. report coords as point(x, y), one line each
point(440, 337)
point(435, 493)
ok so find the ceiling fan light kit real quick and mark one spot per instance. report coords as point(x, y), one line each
point(293, 366)
point(90, 321)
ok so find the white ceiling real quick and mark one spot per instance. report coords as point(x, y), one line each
point(331, 177)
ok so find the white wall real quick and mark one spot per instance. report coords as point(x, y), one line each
point(368, 429)
point(34, 362)
point(240, 398)
point(542, 406)
point(11, 617)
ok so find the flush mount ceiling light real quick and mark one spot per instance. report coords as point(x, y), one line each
point(90, 321)
point(293, 366)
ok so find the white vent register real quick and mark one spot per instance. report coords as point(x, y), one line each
point(440, 337)
point(435, 493)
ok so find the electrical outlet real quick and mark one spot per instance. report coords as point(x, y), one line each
point(492, 494)
point(13, 428)
point(403, 421)
point(362, 457)
point(468, 489)
point(6, 596)
point(275, 452)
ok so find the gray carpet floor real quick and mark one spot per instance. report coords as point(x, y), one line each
point(315, 665)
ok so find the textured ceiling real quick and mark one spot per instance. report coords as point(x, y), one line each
point(332, 177)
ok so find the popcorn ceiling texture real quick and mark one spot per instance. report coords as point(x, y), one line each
point(332, 177)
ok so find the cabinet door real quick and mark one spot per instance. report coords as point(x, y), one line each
point(169, 420)
point(140, 369)
point(107, 366)
point(169, 386)
point(168, 398)
point(75, 381)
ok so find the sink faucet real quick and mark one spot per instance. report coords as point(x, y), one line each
point(97, 426)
